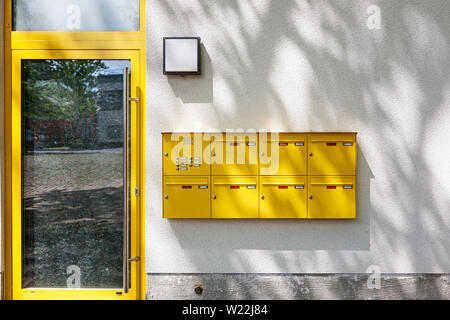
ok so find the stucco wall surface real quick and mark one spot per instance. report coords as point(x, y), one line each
point(312, 66)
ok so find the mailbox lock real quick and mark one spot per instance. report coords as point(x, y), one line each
point(311, 154)
point(262, 197)
point(310, 197)
point(214, 154)
point(166, 154)
point(166, 197)
point(214, 197)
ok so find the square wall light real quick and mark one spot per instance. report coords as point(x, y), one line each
point(181, 56)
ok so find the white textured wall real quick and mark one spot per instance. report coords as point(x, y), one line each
point(312, 66)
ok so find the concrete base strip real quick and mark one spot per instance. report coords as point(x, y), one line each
point(301, 287)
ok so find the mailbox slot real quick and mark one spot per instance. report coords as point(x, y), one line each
point(188, 155)
point(186, 197)
point(234, 155)
point(332, 154)
point(235, 197)
point(283, 198)
point(292, 154)
point(331, 198)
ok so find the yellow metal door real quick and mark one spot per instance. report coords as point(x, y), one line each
point(284, 154)
point(185, 154)
point(234, 197)
point(68, 186)
point(234, 155)
point(332, 198)
point(283, 198)
point(187, 197)
point(332, 154)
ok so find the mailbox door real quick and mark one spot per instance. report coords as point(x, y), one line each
point(283, 198)
point(291, 158)
point(234, 156)
point(185, 154)
point(186, 197)
point(235, 197)
point(332, 198)
point(332, 154)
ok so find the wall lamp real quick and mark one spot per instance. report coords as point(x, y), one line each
point(181, 56)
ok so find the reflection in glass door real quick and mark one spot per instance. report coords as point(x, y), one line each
point(73, 173)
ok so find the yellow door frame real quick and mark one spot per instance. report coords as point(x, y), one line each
point(70, 45)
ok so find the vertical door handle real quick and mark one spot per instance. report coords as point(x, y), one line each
point(126, 221)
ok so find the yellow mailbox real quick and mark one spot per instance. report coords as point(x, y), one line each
point(234, 197)
point(234, 155)
point(283, 154)
point(186, 197)
point(332, 197)
point(332, 154)
point(283, 198)
point(185, 154)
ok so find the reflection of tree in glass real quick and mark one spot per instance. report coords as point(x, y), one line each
point(61, 103)
point(61, 89)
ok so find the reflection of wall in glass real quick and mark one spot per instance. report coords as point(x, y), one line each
point(76, 15)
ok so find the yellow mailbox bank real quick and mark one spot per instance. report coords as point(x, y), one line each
point(288, 175)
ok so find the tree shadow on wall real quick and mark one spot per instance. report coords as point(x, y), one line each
point(392, 83)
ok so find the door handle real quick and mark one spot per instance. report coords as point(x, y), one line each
point(126, 222)
point(134, 259)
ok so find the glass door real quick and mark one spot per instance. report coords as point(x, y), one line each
point(75, 222)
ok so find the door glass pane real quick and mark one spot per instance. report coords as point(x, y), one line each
point(72, 173)
point(76, 15)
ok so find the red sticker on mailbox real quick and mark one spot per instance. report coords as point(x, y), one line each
point(283, 144)
point(186, 187)
point(282, 187)
point(234, 187)
point(331, 144)
point(234, 144)
point(331, 187)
